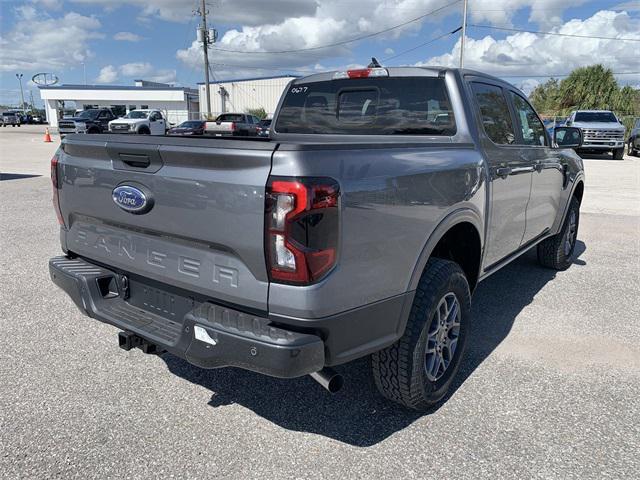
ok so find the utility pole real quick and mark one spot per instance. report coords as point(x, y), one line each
point(204, 35)
point(33, 107)
point(19, 77)
point(464, 32)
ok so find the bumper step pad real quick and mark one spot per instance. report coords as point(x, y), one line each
point(233, 338)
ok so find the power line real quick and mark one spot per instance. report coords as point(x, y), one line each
point(345, 42)
point(422, 44)
point(554, 33)
point(309, 72)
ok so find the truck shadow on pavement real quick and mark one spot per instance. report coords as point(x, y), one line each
point(358, 415)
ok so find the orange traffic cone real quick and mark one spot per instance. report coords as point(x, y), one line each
point(47, 136)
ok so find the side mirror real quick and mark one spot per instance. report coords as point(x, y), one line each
point(567, 137)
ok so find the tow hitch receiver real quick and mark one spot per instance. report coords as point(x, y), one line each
point(128, 340)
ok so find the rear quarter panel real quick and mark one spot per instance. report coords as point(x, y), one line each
point(392, 198)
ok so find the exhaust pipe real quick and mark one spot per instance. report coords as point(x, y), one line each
point(329, 379)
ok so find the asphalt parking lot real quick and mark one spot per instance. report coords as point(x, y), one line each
point(550, 387)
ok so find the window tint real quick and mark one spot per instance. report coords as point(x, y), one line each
point(595, 117)
point(230, 117)
point(368, 106)
point(494, 110)
point(529, 123)
point(358, 106)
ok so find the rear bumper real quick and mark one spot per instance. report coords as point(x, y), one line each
point(225, 337)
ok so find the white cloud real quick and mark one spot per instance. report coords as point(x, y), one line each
point(127, 37)
point(527, 53)
point(389, 51)
point(332, 22)
point(108, 74)
point(528, 85)
point(136, 69)
point(163, 76)
point(545, 13)
point(41, 42)
point(250, 12)
point(49, 4)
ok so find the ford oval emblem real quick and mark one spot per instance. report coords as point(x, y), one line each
point(131, 199)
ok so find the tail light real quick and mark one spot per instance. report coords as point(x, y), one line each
point(233, 126)
point(301, 229)
point(55, 183)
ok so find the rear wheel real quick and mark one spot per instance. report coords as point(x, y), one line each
point(618, 153)
point(630, 150)
point(418, 369)
point(557, 252)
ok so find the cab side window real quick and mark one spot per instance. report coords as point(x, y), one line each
point(494, 110)
point(530, 125)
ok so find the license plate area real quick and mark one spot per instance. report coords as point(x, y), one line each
point(159, 300)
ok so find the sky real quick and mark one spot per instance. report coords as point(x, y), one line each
point(118, 41)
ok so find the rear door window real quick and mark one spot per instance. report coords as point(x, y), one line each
point(230, 117)
point(530, 125)
point(368, 106)
point(494, 112)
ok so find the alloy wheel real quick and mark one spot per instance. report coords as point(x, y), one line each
point(442, 339)
point(570, 238)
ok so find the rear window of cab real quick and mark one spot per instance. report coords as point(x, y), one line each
point(368, 106)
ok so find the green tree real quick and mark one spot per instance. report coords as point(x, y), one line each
point(589, 88)
point(592, 88)
point(545, 97)
point(261, 113)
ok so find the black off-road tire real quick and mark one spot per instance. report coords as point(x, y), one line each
point(618, 153)
point(557, 252)
point(400, 370)
point(144, 131)
point(630, 150)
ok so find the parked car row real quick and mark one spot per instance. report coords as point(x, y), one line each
point(103, 120)
point(16, 118)
point(225, 125)
point(152, 122)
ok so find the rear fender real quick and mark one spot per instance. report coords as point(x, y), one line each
point(458, 216)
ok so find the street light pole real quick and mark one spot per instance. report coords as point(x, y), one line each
point(464, 32)
point(19, 77)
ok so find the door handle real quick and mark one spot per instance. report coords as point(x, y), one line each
point(503, 172)
point(135, 160)
point(519, 170)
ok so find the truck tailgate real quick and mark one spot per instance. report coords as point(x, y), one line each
point(222, 127)
point(204, 231)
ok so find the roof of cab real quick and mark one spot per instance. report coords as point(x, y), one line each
point(408, 71)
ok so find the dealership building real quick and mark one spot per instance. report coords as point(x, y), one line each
point(177, 103)
point(241, 94)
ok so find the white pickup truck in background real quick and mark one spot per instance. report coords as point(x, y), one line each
point(234, 125)
point(143, 122)
point(601, 130)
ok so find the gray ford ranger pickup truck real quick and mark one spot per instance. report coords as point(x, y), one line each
point(361, 227)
